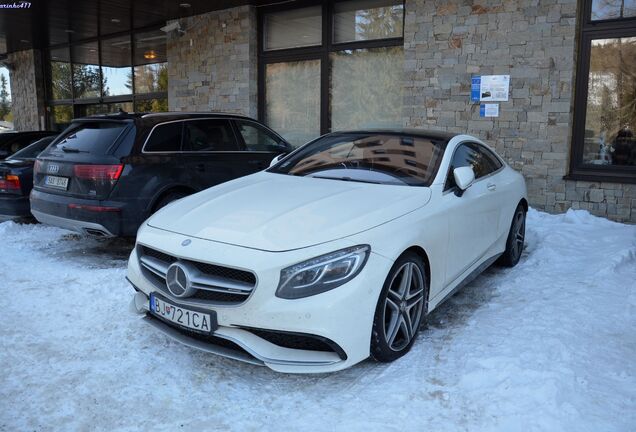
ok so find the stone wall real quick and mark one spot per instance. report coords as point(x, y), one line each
point(27, 90)
point(446, 42)
point(213, 66)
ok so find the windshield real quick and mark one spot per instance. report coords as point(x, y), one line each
point(367, 157)
point(95, 137)
point(32, 151)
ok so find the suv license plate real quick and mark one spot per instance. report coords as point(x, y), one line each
point(56, 182)
point(188, 318)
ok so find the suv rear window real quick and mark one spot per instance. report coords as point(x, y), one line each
point(90, 137)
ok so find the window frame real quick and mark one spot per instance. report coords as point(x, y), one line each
point(588, 31)
point(315, 52)
point(74, 101)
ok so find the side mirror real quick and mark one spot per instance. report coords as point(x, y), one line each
point(464, 177)
point(277, 159)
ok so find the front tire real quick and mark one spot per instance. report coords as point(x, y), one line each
point(516, 239)
point(400, 309)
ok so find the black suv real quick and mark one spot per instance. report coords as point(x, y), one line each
point(105, 175)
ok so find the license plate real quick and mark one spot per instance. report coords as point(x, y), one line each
point(56, 182)
point(188, 318)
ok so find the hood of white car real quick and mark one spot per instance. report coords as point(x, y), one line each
point(276, 212)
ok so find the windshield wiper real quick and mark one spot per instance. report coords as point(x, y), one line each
point(347, 179)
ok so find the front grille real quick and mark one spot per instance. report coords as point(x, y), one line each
point(215, 284)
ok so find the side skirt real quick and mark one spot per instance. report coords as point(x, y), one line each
point(469, 278)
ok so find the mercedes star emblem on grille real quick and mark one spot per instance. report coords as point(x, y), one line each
point(179, 281)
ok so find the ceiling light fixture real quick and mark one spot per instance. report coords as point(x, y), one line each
point(69, 31)
point(115, 20)
point(185, 5)
point(150, 55)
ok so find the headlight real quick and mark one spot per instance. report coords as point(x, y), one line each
point(322, 273)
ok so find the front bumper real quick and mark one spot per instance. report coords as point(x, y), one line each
point(343, 316)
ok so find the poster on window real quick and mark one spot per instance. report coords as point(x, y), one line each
point(494, 88)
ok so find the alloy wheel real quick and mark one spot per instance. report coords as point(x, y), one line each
point(519, 233)
point(403, 306)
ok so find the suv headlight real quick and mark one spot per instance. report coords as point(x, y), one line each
point(322, 273)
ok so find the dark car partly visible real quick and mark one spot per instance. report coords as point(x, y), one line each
point(16, 180)
point(105, 175)
point(12, 141)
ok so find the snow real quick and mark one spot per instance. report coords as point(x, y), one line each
point(549, 345)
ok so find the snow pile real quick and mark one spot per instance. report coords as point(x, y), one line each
point(547, 346)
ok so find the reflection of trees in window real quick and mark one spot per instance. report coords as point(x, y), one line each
point(150, 78)
point(293, 99)
point(86, 81)
point(612, 86)
point(613, 9)
point(151, 105)
point(378, 23)
point(367, 88)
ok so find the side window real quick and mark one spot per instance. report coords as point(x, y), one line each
point(482, 161)
point(165, 138)
point(258, 138)
point(208, 136)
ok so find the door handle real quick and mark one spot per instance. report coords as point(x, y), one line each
point(491, 186)
point(200, 167)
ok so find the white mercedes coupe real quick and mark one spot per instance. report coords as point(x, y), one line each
point(334, 254)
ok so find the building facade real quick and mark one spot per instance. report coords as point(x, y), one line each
point(566, 122)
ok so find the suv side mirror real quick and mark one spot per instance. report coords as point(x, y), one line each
point(464, 177)
point(277, 159)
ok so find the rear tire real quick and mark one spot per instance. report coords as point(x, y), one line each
point(400, 309)
point(516, 239)
point(169, 198)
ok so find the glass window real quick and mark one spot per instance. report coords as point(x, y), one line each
point(613, 9)
point(374, 158)
point(86, 74)
point(5, 97)
point(366, 88)
point(473, 156)
point(60, 116)
point(165, 138)
point(61, 74)
point(293, 28)
point(116, 66)
point(33, 150)
point(151, 71)
point(96, 137)
point(257, 138)
point(293, 100)
point(359, 20)
point(208, 136)
point(610, 117)
point(151, 105)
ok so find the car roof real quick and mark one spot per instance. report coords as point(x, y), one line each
point(160, 116)
point(416, 132)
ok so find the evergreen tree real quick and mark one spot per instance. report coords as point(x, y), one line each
point(5, 103)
